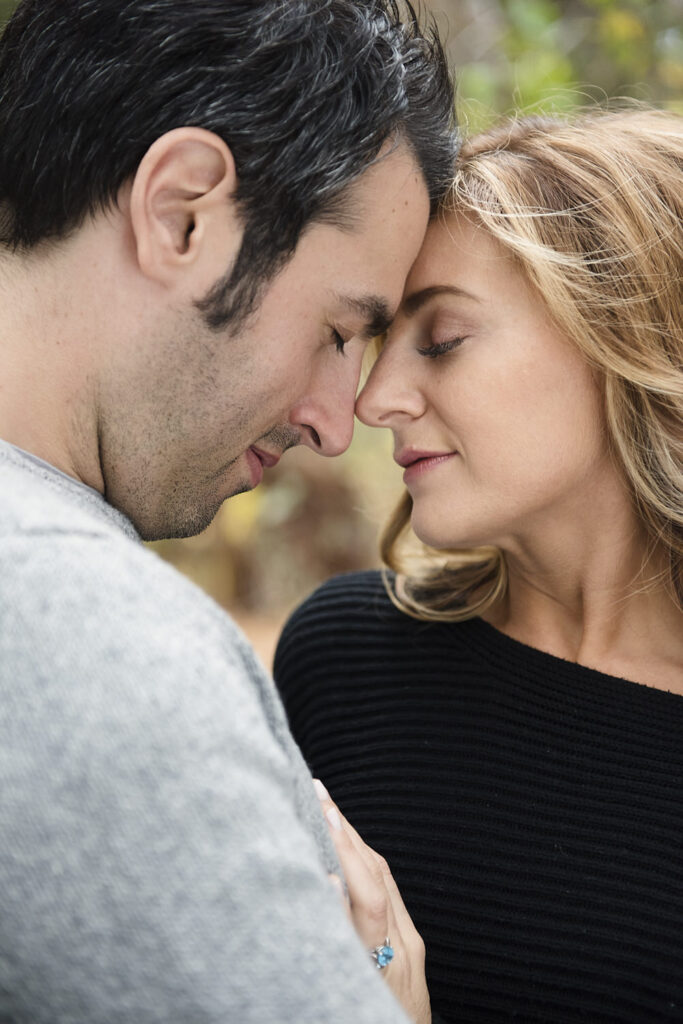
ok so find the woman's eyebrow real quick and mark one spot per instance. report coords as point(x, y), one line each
point(412, 303)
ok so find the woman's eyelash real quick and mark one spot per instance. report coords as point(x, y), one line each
point(440, 348)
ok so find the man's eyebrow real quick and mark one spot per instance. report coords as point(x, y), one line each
point(413, 302)
point(375, 310)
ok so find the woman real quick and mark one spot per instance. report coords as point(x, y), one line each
point(505, 722)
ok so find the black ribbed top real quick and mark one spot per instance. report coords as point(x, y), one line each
point(531, 809)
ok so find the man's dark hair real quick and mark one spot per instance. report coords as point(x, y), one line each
point(304, 92)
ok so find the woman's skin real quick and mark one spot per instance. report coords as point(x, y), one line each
point(474, 371)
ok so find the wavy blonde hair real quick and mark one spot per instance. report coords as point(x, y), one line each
point(591, 209)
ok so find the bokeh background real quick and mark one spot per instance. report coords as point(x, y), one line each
point(313, 517)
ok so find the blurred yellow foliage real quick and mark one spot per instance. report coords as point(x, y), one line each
point(621, 26)
point(238, 518)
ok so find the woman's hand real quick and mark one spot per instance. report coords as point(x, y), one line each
point(377, 911)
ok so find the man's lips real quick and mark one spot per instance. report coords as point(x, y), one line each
point(257, 459)
point(415, 462)
point(267, 458)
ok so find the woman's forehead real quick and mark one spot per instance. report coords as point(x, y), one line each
point(458, 251)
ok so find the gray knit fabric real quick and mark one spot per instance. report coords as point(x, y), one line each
point(163, 854)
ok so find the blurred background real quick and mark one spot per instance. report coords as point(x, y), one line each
point(313, 517)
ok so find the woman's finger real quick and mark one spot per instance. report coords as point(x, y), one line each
point(403, 932)
point(399, 908)
point(338, 887)
point(369, 899)
point(370, 904)
point(377, 864)
point(378, 911)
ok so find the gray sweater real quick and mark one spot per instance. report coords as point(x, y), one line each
point(163, 857)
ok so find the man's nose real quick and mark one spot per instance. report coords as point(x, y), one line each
point(391, 390)
point(325, 417)
point(328, 435)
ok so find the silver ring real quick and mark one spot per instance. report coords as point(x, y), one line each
point(382, 955)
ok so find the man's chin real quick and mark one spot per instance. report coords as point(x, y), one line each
point(175, 529)
point(183, 523)
point(180, 516)
point(243, 489)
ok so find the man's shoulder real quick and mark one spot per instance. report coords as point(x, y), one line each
point(38, 500)
point(98, 633)
point(76, 582)
point(110, 592)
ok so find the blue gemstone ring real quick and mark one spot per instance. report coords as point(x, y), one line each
point(382, 955)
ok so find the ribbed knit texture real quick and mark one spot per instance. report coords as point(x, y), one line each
point(531, 809)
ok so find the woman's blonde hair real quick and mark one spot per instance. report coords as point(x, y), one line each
point(591, 208)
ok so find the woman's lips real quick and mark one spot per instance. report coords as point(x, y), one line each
point(418, 463)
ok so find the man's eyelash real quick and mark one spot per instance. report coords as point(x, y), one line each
point(338, 341)
point(441, 348)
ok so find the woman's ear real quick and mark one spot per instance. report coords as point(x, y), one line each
point(183, 214)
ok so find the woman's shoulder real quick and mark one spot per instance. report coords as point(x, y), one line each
point(351, 624)
point(345, 617)
point(367, 585)
point(349, 601)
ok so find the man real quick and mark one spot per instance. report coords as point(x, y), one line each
point(206, 210)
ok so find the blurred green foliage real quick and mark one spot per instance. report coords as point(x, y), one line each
point(551, 56)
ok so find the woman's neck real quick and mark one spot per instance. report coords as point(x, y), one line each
point(598, 598)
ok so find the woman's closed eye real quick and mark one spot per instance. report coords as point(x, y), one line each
point(441, 348)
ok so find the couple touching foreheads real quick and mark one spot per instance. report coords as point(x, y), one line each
point(209, 212)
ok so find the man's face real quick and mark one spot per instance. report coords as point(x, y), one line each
point(197, 415)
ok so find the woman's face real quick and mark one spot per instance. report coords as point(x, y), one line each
point(495, 414)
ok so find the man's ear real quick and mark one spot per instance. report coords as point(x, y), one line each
point(182, 212)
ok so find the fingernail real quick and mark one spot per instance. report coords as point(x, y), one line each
point(320, 790)
point(337, 884)
point(332, 815)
